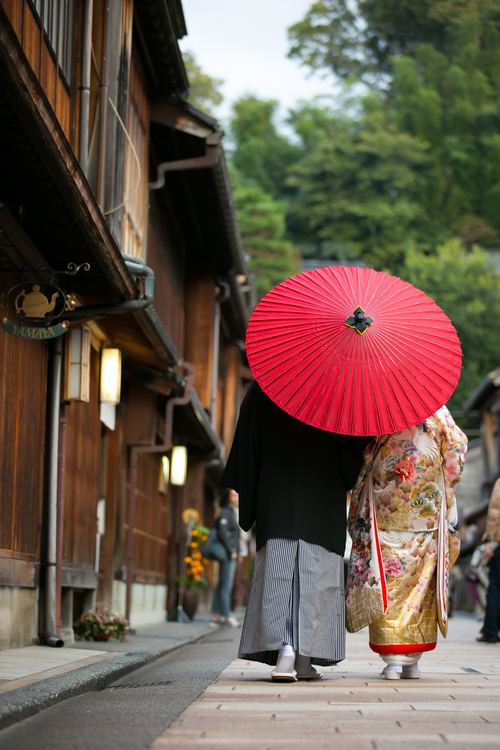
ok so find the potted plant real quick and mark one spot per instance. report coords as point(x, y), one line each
point(192, 582)
point(100, 625)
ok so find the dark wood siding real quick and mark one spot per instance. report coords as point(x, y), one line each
point(151, 523)
point(166, 258)
point(82, 477)
point(22, 415)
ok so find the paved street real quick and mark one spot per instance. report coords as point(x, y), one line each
point(200, 697)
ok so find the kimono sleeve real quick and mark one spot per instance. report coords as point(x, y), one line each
point(493, 518)
point(369, 455)
point(453, 450)
point(243, 466)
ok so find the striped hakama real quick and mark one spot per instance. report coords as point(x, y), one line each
point(297, 597)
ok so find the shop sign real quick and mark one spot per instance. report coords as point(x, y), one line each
point(35, 334)
point(40, 306)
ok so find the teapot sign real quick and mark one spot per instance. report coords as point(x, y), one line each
point(38, 302)
point(40, 305)
point(35, 304)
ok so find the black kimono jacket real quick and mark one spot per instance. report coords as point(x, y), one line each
point(292, 478)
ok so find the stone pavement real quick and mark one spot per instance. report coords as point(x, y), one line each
point(455, 703)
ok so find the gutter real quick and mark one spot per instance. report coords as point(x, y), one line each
point(137, 269)
point(210, 159)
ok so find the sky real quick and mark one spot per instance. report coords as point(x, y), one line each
point(245, 44)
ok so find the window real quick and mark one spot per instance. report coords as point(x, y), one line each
point(136, 174)
point(57, 18)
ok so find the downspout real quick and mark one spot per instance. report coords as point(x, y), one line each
point(61, 487)
point(210, 159)
point(83, 141)
point(104, 94)
point(50, 623)
point(222, 292)
point(135, 452)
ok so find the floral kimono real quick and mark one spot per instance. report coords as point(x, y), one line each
point(402, 519)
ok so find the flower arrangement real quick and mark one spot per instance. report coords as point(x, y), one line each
point(195, 562)
point(101, 625)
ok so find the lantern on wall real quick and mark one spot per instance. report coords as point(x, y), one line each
point(178, 469)
point(164, 474)
point(111, 376)
point(77, 365)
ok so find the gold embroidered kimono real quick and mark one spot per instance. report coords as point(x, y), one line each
point(402, 519)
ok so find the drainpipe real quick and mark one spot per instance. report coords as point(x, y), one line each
point(104, 94)
point(83, 141)
point(222, 292)
point(61, 488)
point(137, 268)
point(135, 452)
point(210, 159)
point(50, 623)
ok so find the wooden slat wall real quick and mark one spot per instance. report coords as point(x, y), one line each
point(167, 261)
point(151, 523)
point(22, 415)
point(200, 333)
point(232, 359)
point(82, 476)
point(114, 491)
point(30, 34)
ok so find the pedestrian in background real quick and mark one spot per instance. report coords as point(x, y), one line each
point(403, 521)
point(491, 558)
point(292, 481)
point(228, 532)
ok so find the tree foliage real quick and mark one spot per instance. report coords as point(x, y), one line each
point(272, 258)
point(463, 283)
point(261, 153)
point(204, 91)
point(358, 189)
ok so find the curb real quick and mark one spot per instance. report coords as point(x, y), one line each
point(21, 703)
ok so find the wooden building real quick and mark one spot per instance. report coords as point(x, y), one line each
point(109, 182)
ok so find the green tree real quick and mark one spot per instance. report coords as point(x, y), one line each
point(464, 285)
point(260, 152)
point(358, 41)
point(358, 188)
point(204, 91)
point(272, 258)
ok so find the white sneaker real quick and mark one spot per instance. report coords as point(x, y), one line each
point(231, 621)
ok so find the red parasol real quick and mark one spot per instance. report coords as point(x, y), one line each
point(353, 351)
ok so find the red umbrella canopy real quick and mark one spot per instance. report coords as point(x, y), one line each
point(353, 351)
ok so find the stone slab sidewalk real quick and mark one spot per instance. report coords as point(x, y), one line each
point(36, 677)
point(455, 704)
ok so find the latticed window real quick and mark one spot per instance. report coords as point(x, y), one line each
point(136, 176)
point(57, 17)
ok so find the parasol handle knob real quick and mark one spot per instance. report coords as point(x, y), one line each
point(358, 320)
